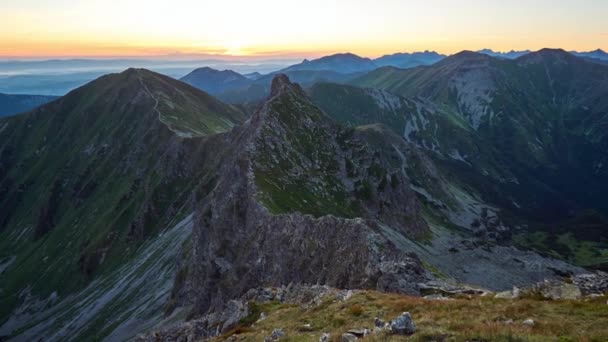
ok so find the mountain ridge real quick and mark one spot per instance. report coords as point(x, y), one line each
point(95, 174)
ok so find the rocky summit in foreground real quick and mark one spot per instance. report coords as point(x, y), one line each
point(320, 313)
point(141, 206)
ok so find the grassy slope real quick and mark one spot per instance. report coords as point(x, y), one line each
point(307, 145)
point(463, 319)
point(77, 200)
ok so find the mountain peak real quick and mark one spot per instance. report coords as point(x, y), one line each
point(552, 51)
point(465, 56)
point(281, 83)
point(344, 55)
point(216, 81)
point(149, 96)
point(548, 55)
point(137, 72)
point(468, 54)
point(340, 62)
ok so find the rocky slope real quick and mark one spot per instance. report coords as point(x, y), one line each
point(526, 133)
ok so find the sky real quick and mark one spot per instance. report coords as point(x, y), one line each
point(288, 28)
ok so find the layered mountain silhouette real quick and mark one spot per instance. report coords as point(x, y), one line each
point(409, 60)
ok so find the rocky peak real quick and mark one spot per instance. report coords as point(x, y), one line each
point(552, 56)
point(468, 56)
point(281, 83)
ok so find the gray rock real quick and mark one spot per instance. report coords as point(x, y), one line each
point(592, 283)
point(403, 325)
point(378, 323)
point(348, 337)
point(277, 334)
point(559, 290)
point(234, 311)
point(325, 337)
point(437, 297)
point(512, 294)
point(359, 332)
point(528, 322)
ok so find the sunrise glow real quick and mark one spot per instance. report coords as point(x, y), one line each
point(287, 27)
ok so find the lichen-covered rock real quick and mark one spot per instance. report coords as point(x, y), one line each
point(529, 322)
point(348, 338)
point(214, 323)
point(360, 332)
point(559, 290)
point(277, 334)
point(403, 325)
point(592, 283)
point(511, 294)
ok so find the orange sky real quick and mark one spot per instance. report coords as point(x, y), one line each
point(287, 28)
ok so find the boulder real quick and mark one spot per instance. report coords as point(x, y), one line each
point(512, 294)
point(359, 332)
point(348, 337)
point(403, 325)
point(528, 322)
point(325, 337)
point(277, 334)
point(560, 290)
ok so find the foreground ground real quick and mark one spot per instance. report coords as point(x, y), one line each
point(458, 319)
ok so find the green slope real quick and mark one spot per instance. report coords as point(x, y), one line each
point(86, 179)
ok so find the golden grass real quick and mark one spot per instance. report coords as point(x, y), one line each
point(463, 319)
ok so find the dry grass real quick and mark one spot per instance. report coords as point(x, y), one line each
point(463, 319)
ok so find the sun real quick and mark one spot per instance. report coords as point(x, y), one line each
point(235, 48)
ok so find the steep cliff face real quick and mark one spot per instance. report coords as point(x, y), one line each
point(287, 208)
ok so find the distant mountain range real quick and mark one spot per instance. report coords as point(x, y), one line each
point(339, 68)
point(14, 104)
point(596, 54)
point(409, 60)
point(510, 54)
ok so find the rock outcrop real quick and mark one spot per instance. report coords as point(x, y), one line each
point(286, 209)
point(403, 325)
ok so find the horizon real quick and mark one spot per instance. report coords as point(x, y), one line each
point(113, 29)
point(259, 59)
